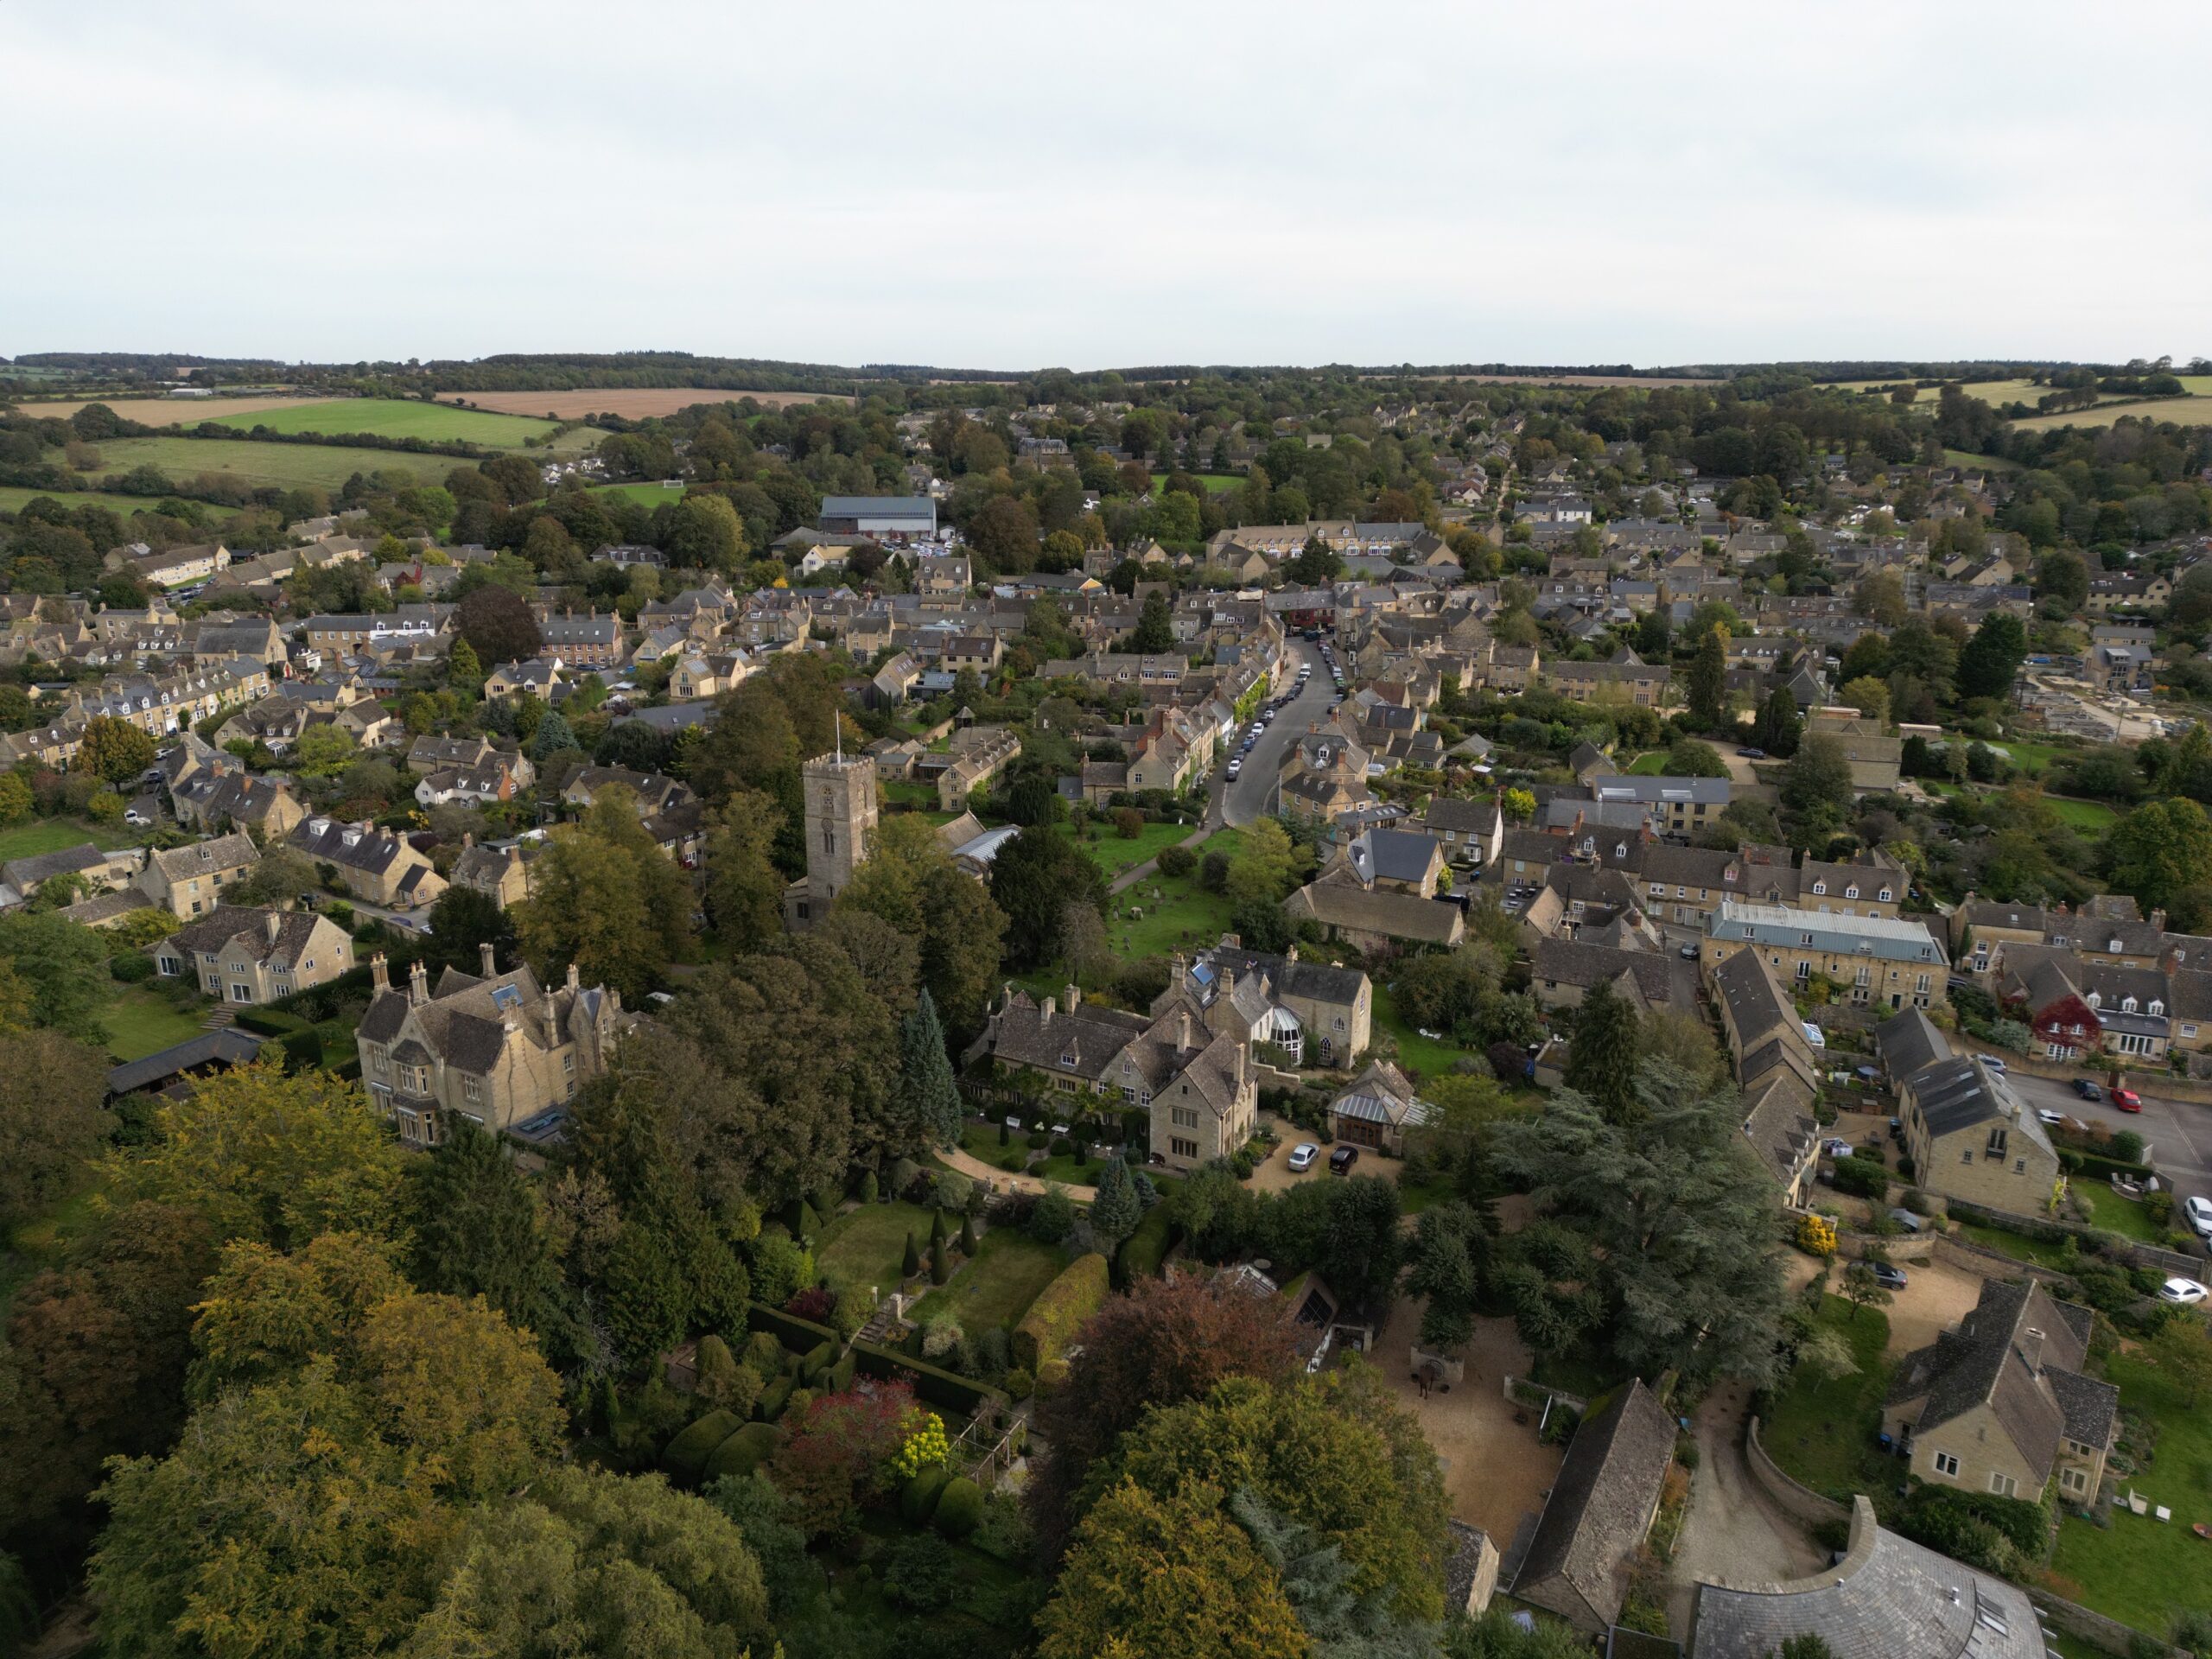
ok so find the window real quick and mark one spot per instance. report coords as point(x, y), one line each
point(2127, 1005)
point(1820, 886)
point(568, 1062)
point(1183, 1117)
point(1183, 1148)
point(1967, 1157)
point(1946, 1463)
point(1851, 892)
point(2074, 1480)
point(2004, 1485)
point(471, 1089)
point(2019, 1166)
point(1804, 971)
point(2158, 1006)
point(1884, 895)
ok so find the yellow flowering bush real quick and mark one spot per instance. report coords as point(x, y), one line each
point(1816, 1235)
point(924, 1446)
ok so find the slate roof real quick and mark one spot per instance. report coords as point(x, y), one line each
point(1756, 1007)
point(1462, 817)
point(1908, 1042)
point(1567, 962)
point(1392, 856)
point(1382, 1094)
point(1579, 1562)
point(229, 1046)
point(1888, 1599)
point(1083, 1041)
point(1779, 1123)
point(1396, 915)
point(324, 839)
point(232, 852)
point(250, 923)
point(1310, 981)
point(1890, 939)
point(25, 873)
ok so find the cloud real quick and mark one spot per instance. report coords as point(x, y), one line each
point(1009, 186)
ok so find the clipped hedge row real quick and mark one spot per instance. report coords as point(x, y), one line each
point(267, 1022)
point(917, 1499)
point(745, 1451)
point(687, 1453)
point(945, 1390)
point(819, 1358)
point(773, 1398)
point(1143, 1250)
point(1060, 1310)
point(800, 1336)
point(2096, 1164)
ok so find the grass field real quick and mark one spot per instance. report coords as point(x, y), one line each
point(14, 499)
point(2044, 1253)
point(645, 495)
point(1210, 480)
point(278, 465)
point(394, 417)
point(1652, 764)
point(1186, 917)
point(2094, 817)
point(160, 411)
point(997, 1287)
point(2115, 1214)
point(139, 1022)
point(1823, 1432)
point(635, 403)
point(2182, 411)
point(40, 835)
point(2138, 1570)
point(1424, 1055)
point(867, 1246)
point(1112, 854)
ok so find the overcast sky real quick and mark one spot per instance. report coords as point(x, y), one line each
point(1014, 186)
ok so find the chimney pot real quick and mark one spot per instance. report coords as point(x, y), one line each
point(572, 976)
point(379, 973)
point(484, 951)
point(418, 985)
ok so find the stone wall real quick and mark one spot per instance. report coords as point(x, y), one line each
point(1799, 1500)
point(2106, 1633)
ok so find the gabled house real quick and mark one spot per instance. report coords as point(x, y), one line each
point(187, 882)
point(2076, 1007)
point(1969, 1138)
point(1376, 1109)
point(244, 954)
point(377, 867)
point(1471, 832)
point(1601, 1507)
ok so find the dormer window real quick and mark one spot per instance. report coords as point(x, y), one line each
point(2127, 1005)
point(1620, 849)
point(1851, 892)
point(2096, 999)
point(2158, 1006)
point(1820, 886)
point(2114, 947)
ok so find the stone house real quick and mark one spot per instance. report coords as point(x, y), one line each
point(187, 880)
point(1333, 1007)
point(501, 874)
point(251, 954)
point(1878, 961)
point(1579, 1562)
point(1969, 1138)
point(495, 1047)
point(377, 867)
point(1776, 1068)
point(99, 871)
point(2002, 1405)
point(1472, 832)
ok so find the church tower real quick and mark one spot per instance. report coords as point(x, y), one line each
point(840, 792)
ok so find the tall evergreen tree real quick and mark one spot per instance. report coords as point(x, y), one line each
point(476, 1233)
point(1115, 1212)
point(1992, 659)
point(1705, 680)
point(932, 1094)
point(1778, 727)
point(1602, 1060)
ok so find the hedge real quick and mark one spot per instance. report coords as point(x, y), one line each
point(1143, 1250)
point(800, 1336)
point(1861, 1178)
point(918, 1501)
point(688, 1452)
point(745, 1451)
point(960, 1506)
point(267, 1022)
point(773, 1398)
point(945, 1390)
point(819, 1358)
point(1060, 1310)
point(303, 1047)
point(841, 1375)
point(2096, 1164)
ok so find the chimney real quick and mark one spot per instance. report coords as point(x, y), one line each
point(2158, 920)
point(2031, 1350)
point(1046, 1009)
point(1291, 955)
point(552, 1019)
point(483, 950)
point(467, 839)
point(418, 985)
point(379, 976)
point(572, 976)
point(275, 923)
point(1074, 994)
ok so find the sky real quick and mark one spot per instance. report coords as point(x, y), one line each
point(989, 185)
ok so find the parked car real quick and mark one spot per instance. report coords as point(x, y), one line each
point(2183, 1293)
point(2198, 1213)
point(2047, 1115)
point(1689, 953)
point(1887, 1277)
point(1302, 1156)
point(2087, 1089)
point(1992, 1063)
point(1236, 766)
point(1342, 1160)
point(1752, 754)
point(2127, 1100)
point(1836, 1147)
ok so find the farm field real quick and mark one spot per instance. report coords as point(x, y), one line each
point(14, 499)
point(277, 466)
point(160, 411)
point(394, 417)
point(635, 403)
point(653, 495)
point(2184, 411)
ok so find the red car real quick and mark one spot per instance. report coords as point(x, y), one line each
point(2127, 1100)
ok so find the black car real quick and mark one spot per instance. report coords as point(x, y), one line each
point(1342, 1160)
point(2087, 1089)
point(1887, 1277)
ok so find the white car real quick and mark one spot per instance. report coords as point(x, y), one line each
point(1236, 766)
point(2183, 1293)
point(2049, 1117)
point(1302, 1156)
point(1992, 1063)
point(2199, 1214)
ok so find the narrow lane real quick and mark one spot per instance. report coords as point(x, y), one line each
point(1251, 795)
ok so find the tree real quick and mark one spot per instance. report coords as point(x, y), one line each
point(1603, 1057)
point(744, 890)
point(1033, 878)
point(1705, 680)
point(911, 883)
point(704, 531)
point(1317, 564)
point(497, 624)
point(63, 969)
point(1266, 869)
point(1688, 757)
point(1451, 1247)
point(2181, 1349)
point(51, 1094)
point(1169, 1577)
point(551, 736)
point(268, 1157)
point(1115, 1212)
point(1880, 599)
point(1004, 535)
point(464, 668)
point(1869, 696)
point(279, 877)
point(1825, 1355)
point(1777, 729)
point(1818, 775)
point(476, 1232)
point(1156, 632)
point(608, 899)
point(2157, 852)
point(932, 1092)
point(1862, 1289)
point(1992, 659)
point(17, 802)
point(114, 749)
point(324, 750)
point(1684, 1262)
point(840, 1450)
point(463, 922)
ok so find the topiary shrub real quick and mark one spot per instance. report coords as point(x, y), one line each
point(724, 1382)
point(743, 1452)
point(959, 1507)
point(1060, 1310)
point(1176, 862)
point(685, 1455)
point(773, 1398)
point(764, 1355)
point(840, 1379)
point(132, 968)
point(819, 1358)
point(869, 1190)
point(1020, 1384)
point(917, 1499)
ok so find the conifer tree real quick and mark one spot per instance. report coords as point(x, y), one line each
point(933, 1096)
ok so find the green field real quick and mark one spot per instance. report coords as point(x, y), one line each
point(1112, 854)
point(2116, 1214)
point(2182, 411)
point(1423, 1055)
point(1823, 1433)
point(996, 1287)
point(645, 495)
point(274, 465)
point(14, 499)
point(2139, 1570)
point(394, 417)
point(2094, 817)
point(40, 835)
point(1186, 917)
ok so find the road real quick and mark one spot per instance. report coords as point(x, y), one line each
point(2178, 1131)
point(1252, 795)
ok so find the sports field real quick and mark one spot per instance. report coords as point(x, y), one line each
point(634, 402)
point(394, 417)
point(279, 466)
point(13, 498)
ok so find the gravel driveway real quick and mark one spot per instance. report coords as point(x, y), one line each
point(1733, 1531)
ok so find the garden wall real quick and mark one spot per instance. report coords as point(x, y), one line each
point(1799, 1500)
point(2138, 1256)
point(2106, 1633)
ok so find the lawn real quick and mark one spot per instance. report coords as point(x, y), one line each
point(1185, 918)
point(2115, 1214)
point(1650, 765)
point(14, 499)
point(1114, 854)
point(996, 1287)
point(1824, 1433)
point(279, 466)
point(2044, 1252)
point(37, 835)
point(1424, 1055)
point(1210, 480)
point(140, 1022)
point(867, 1246)
point(2092, 815)
point(645, 495)
point(398, 417)
point(2137, 1570)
